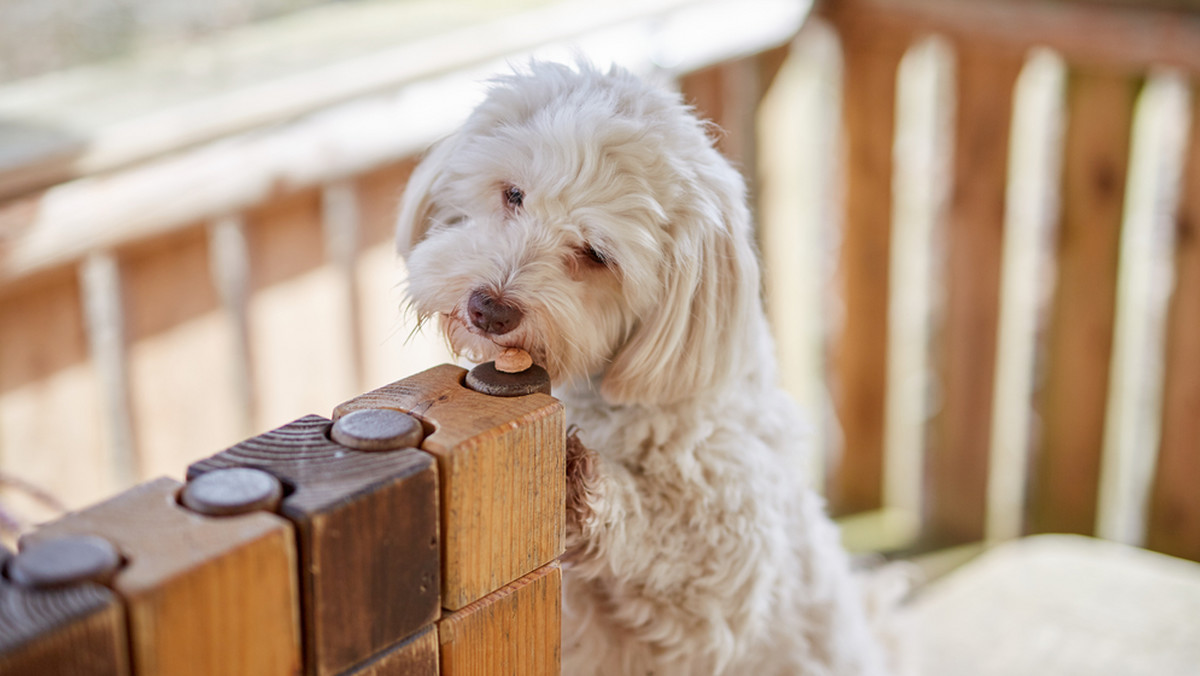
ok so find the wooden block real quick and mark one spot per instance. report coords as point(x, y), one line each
point(501, 469)
point(203, 595)
point(516, 630)
point(416, 656)
point(368, 537)
point(79, 629)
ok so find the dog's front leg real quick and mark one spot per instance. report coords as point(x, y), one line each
point(581, 492)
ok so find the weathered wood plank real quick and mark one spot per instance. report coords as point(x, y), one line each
point(500, 465)
point(957, 459)
point(204, 595)
point(1064, 487)
point(514, 630)
point(367, 528)
point(1174, 519)
point(859, 363)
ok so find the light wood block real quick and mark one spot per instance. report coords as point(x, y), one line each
point(516, 630)
point(367, 527)
point(416, 656)
point(501, 470)
point(78, 629)
point(203, 595)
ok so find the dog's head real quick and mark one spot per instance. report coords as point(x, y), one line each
point(587, 218)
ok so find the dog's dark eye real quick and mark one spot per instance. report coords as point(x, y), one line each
point(595, 256)
point(513, 196)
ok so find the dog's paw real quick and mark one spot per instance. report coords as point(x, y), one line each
point(581, 482)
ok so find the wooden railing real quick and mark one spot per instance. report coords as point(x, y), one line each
point(1108, 386)
point(169, 274)
point(294, 553)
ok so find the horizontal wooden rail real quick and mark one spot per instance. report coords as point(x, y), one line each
point(387, 551)
point(403, 101)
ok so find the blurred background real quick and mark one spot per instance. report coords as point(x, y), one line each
point(976, 220)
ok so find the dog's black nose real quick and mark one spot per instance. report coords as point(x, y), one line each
point(491, 314)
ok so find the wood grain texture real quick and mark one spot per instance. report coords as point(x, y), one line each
point(956, 464)
point(1174, 518)
point(78, 629)
point(1065, 485)
point(501, 469)
point(416, 656)
point(514, 631)
point(859, 377)
point(203, 595)
point(367, 525)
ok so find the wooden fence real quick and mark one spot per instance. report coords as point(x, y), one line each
point(294, 553)
point(1109, 386)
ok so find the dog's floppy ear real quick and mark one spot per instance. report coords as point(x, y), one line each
point(418, 206)
point(710, 309)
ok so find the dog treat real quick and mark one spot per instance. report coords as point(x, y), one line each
point(513, 360)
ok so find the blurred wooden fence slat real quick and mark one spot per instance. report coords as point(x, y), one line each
point(957, 459)
point(1174, 517)
point(870, 65)
point(1065, 484)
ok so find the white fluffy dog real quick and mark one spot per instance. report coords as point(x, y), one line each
point(587, 218)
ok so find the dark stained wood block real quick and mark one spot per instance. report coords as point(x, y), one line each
point(515, 630)
point(367, 526)
point(416, 656)
point(501, 469)
point(77, 629)
point(203, 595)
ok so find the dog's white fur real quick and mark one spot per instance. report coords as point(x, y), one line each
point(697, 550)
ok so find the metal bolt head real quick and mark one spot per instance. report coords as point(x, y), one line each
point(228, 492)
point(65, 560)
point(486, 379)
point(377, 429)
